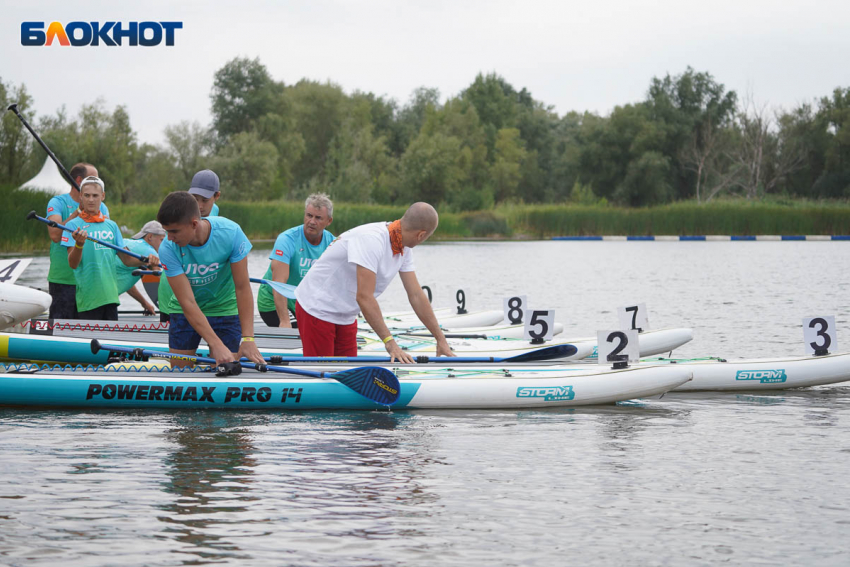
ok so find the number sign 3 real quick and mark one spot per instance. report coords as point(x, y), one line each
point(819, 334)
point(616, 343)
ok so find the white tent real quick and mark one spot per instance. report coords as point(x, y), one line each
point(48, 180)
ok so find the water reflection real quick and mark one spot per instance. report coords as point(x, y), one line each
point(210, 472)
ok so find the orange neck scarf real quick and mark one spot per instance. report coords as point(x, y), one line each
point(395, 237)
point(92, 218)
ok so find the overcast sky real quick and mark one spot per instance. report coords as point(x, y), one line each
point(589, 55)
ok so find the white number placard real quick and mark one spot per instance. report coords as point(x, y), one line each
point(11, 269)
point(633, 317)
point(819, 334)
point(514, 309)
point(614, 343)
point(539, 324)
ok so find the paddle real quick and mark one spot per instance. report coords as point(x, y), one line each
point(372, 382)
point(545, 353)
point(55, 224)
point(286, 290)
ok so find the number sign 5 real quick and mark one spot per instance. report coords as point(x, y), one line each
point(615, 343)
point(819, 334)
point(539, 325)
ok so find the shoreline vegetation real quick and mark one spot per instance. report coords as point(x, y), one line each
point(264, 220)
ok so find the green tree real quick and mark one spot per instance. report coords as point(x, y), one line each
point(247, 167)
point(647, 181)
point(506, 170)
point(242, 92)
point(429, 170)
point(189, 145)
point(15, 141)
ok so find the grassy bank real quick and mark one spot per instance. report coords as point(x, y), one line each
point(266, 219)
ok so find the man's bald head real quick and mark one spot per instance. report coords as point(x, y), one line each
point(420, 216)
point(418, 224)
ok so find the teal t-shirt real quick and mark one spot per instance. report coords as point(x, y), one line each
point(95, 275)
point(291, 247)
point(64, 206)
point(165, 297)
point(208, 266)
point(124, 274)
point(214, 211)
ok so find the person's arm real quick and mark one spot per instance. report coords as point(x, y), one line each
point(137, 295)
point(422, 308)
point(75, 253)
point(56, 233)
point(183, 293)
point(280, 273)
point(372, 313)
point(131, 262)
point(245, 304)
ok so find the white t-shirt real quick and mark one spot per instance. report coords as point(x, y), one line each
point(329, 290)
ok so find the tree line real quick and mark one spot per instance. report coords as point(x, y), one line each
point(690, 138)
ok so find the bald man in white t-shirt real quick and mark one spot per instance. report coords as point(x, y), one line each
point(350, 275)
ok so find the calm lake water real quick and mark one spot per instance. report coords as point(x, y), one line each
point(688, 479)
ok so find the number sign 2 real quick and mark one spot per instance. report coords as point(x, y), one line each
point(514, 309)
point(819, 334)
point(539, 325)
point(633, 317)
point(614, 343)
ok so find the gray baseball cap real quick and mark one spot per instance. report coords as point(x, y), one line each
point(151, 227)
point(205, 184)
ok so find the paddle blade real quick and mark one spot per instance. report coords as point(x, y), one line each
point(545, 353)
point(286, 290)
point(378, 384)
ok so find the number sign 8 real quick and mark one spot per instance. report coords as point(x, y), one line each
point(514, 309)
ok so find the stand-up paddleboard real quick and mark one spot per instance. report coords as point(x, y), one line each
point(21, 385)
point(73, 350)
point(762, 373)
point(19, 304)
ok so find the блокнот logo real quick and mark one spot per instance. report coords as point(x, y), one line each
point(77, 34)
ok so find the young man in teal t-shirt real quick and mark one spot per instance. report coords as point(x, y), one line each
point(94, 265)
point(60, 279)
point(206, 262)
point(206, 191)
point(293, 254)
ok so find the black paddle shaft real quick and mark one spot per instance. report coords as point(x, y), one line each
point(14, 108)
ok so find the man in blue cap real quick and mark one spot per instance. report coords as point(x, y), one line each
point(205, 190)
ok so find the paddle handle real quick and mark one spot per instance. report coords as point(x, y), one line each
point(14, 108)
point(55, 224)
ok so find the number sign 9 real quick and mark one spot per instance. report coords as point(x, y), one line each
point(514, 309)
point(539, 325)
point(819, 334)
point(633, 317)
point(614, 343)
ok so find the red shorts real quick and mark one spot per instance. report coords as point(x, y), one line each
point(320, 338)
